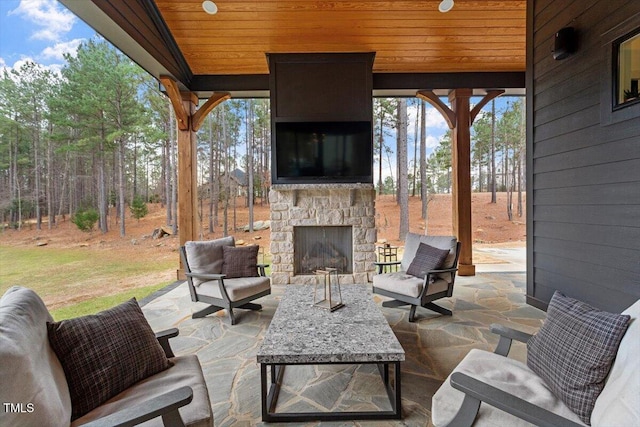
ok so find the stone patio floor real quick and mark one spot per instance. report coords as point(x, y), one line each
point(434, 345)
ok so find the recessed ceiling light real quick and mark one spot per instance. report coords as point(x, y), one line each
point(210, 7)
point(445, 6)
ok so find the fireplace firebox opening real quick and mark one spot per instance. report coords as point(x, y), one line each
point(320, 247)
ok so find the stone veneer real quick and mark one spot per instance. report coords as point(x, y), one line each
point(322, 205)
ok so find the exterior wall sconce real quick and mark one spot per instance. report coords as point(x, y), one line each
point(565, 43)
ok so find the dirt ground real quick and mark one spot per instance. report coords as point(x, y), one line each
point(490, 227)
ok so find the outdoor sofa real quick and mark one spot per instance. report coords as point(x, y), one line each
point(38, 388)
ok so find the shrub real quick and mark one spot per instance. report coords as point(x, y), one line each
point(85, 219)
point(138, 207)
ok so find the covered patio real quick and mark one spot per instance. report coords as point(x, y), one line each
point(583, 162)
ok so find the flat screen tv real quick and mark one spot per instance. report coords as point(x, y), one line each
point(323, 152)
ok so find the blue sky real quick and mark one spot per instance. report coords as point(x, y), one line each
point(40, 31)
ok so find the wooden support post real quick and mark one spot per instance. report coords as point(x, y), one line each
point(189, 120)
point(459, 118)
point(187, 179)
point(461, 186)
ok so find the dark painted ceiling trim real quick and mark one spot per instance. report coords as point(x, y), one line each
point(485, 80)
point(381, 81)
point(169, 42)
point(229, 83)
point(150, 32)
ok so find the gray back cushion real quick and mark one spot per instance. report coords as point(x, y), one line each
point(30, 372)
point(413, 240)
point(206, 256)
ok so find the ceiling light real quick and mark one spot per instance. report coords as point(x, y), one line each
point(210, 7)
point(445, 6)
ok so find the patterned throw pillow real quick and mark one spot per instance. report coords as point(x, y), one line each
point(427, 258)
point(574, 350)
point(240, 261)
point(104, 354)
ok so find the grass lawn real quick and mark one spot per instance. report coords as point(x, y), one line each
point(60, 273)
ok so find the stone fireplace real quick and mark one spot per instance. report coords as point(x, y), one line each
point(322, 195)
point(319, 226)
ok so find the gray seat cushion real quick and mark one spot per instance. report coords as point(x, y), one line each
point(506, 374)
point(237, 289)
point(402, 283)
point(186, 371)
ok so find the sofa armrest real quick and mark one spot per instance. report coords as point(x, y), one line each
point(206, 276)
point(506, 336)
point(477, 391)
point(261, 270)
point(381, 265)
point(165, 405)
point(163, 339)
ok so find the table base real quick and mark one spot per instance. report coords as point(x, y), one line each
point(269, 397)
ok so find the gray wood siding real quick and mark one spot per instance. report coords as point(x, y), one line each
point(583, 161)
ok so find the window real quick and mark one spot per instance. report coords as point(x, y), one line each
point(626, 63)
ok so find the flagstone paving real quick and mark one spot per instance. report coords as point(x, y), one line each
point(434, 345)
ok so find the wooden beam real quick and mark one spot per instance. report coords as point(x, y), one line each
point(491, 94)
point(433, 99)
point(173, 92)
point(212, 102)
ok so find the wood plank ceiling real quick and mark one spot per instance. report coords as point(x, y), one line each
point(407, 36)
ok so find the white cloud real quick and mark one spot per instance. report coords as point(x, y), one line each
point(52, 19)
point(54, 68)
point(58, 50)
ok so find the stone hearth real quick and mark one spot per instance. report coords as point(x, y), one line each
point(294, 205)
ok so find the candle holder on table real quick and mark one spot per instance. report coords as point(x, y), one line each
point(331, 294)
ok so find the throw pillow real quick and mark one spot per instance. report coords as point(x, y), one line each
point(427, 258)
point(574, 350)
point(104, 354)
point(240, 261)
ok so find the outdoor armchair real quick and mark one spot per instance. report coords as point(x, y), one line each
point(224, 276)
point(491, 389)
point(416, 284)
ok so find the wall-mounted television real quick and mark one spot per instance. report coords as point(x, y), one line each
point(323, 152)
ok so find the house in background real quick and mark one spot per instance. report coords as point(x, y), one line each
point(583, 145)
point(237, 182)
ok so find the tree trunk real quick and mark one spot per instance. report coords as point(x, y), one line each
point(424, 191)
point(103, 206)
point(121, 187)
point(212, 161)
point(227, 178)
point(403, 193)
point(493, 152)
point(415, 153)
point(381, 143)
point(250, 162)
point(49, 182)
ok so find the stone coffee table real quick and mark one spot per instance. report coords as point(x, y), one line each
point(301, 334)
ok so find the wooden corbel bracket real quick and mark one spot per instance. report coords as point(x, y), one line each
point(433, 99)
point(182, 115)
